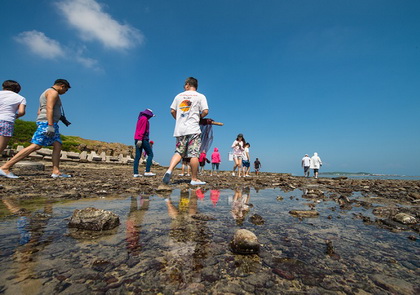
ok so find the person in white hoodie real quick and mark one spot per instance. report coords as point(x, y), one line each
point(316, 163)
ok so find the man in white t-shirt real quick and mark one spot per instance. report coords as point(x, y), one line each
point(187, 108)
point(12, 106)
point(306, 163)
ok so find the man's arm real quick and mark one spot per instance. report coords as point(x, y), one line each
point(204, 113)
point(21, 111)
point(52, 97)
point(173, 113)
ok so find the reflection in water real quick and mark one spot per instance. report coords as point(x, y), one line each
point(214, 196)
point(31, 228)
point(174, 249)
point(200, 194)
point(189, 239)
point(240, 204)
point(138, 209)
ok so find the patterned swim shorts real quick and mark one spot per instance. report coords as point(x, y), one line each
point(6, 128)
point(188, 146)
point(40, 138)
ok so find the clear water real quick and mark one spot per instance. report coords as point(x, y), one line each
point(160, 248)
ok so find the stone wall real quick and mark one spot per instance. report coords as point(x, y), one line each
point(83, 157)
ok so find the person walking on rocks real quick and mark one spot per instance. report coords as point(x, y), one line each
point(316, 163)
point(257, 166)
point(306, 163)
point(47, 133)
point(186, 168)
point(215, 161)
point(238, 147)
point(12, 106)
point(202, 161)
point(187, 108)
point(141, 142)
point(245, 160)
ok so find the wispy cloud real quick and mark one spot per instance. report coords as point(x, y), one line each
point(40, 44)
point(93, 24)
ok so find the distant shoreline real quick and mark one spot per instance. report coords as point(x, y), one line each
point(368, 175)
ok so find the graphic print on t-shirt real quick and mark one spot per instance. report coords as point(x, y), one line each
point(185, 107)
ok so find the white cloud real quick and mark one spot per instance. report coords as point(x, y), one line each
point(87, 62)
point(48, 48)
point(88, 17)
point(40, 44)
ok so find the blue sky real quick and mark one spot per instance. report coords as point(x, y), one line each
point(340, 78)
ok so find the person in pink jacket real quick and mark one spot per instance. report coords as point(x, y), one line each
point(215, 161)
point(141, 142)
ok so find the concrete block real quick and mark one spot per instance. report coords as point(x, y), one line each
point(44, 152)
point(73, 155)
point(83, 155)
point(29, 165)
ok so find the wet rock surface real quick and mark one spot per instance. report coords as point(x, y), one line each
point(164, 245)
point(94, 219)
point(245, 242)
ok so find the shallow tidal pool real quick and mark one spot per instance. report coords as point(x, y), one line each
point(178, 243)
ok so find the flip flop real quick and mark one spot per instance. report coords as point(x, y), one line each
point(8, 175)
point(62, 175)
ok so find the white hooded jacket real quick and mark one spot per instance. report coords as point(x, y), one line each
point(316, 162)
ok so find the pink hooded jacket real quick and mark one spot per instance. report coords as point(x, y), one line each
point(215, 156)
point(142, 126)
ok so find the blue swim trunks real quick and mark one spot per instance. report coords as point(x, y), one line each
point(40, 138)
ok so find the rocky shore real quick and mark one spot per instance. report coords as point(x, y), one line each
point(389, 197)
point(96, 179)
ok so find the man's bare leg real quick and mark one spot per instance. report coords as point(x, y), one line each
point(176, 158)
point(19, 157)
point(194, 169)
point(4, 140)
point(56, 157)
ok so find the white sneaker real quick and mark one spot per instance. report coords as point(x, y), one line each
point(197, 182)
point(233, 173)
point(137, 175)
point(149, 174)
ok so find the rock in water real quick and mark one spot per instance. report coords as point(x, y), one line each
point(405, 218)
point(257, 219)
point(94, 219)
point(245, 242)
point(304, 213)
